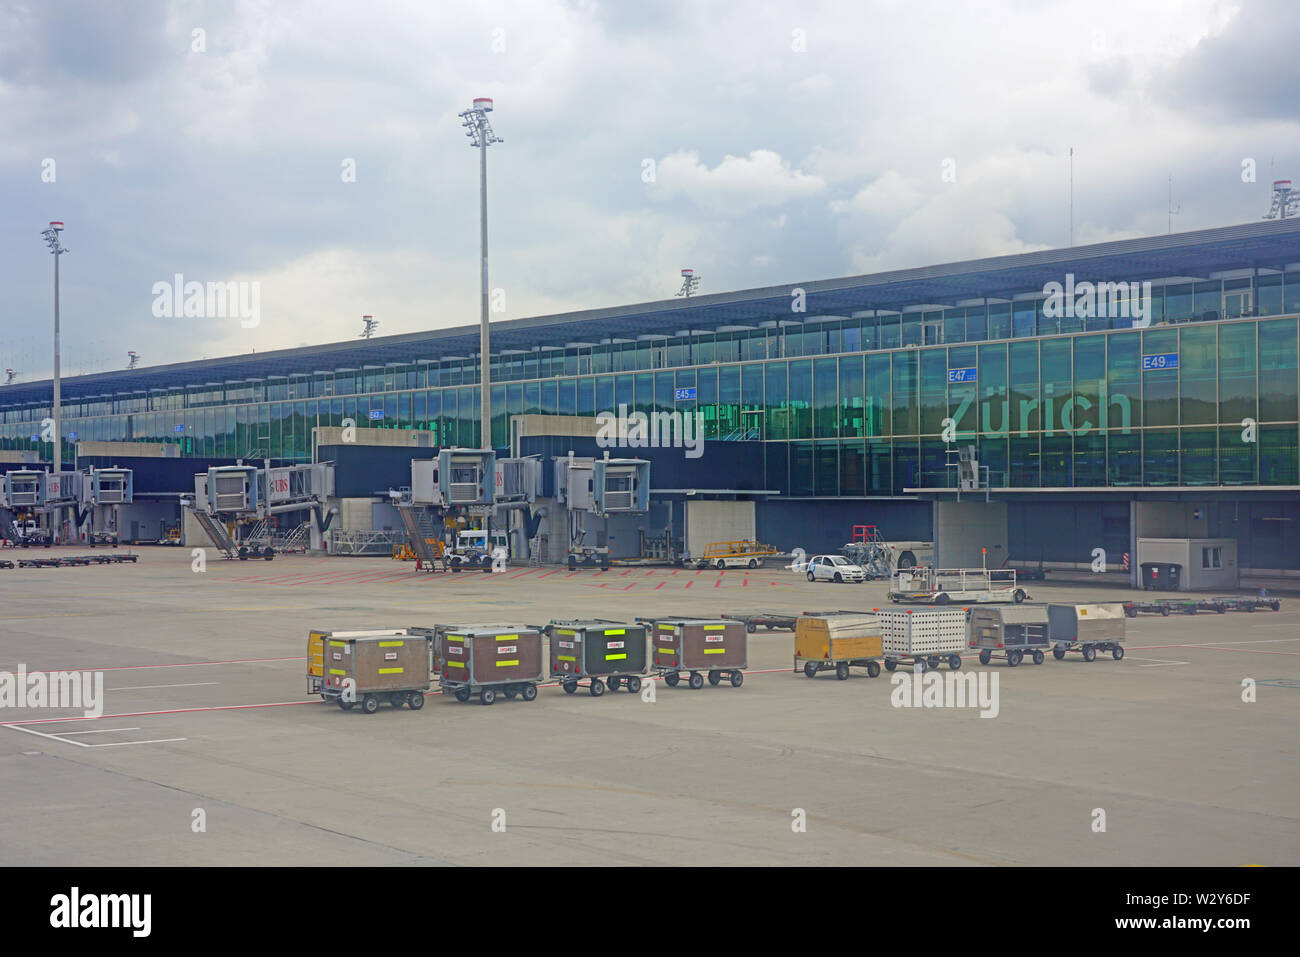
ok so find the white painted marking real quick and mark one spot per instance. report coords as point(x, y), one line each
point(82, 744)
point(1160, 662)
point(42, 734)
point(118, 744)
point(97, 731)
point(195, 684)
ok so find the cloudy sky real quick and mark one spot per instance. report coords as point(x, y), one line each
point(758, 142)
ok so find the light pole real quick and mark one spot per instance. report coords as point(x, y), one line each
point(56, 250)
point(479, 131)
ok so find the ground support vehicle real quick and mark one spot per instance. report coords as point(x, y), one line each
point(838, 641)
point(1010, 632)
point(834, 568)
point(923, 637)
point(742, 554)
point(929, 586)
point(366, 668)
point(488, 660)
point(1087, 629)
point(603, 653)
point(718, 648)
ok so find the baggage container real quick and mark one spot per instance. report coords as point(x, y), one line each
point(1087, 629)
point(368, 667)
point(316, 639)
point(713, 646)
point(1010, 632)
point(923, 637)
point(609, 653)
point(838, 642)
point(490, 659)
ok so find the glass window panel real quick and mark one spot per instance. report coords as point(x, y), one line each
point(963, 397)
point(933, 390)
point(776, 397)
point(801, 468)
point(1090, 459)
point(934, 471)
point(1124, 458)
point(977, 323)
point(605, 394)
point(852, 397)
point(1057, 460)
point(1024, 461)
point(853, 464)
point(586, 392)
point(1208, 301)
point(1023, 376)
point(728, 400)
point(1199, 457)
point(568, 396)
point(1268, 295)
point(1278, 452)
point(994, 417)
point(999, 320)
point(954, 325)
point(1179, 302)
point(879, 394)
point(827, 478)
point(1160, 386)
point(904, 390)
point(1023, 313)
point(1237, 372)
point(706, 395)
point(1198, 375)
point(645, 392)
point(1057, 382)
point(825, 398)
point(1123, 407)
point(907, 465)
point(880, 468)
point(1160, 457)
point(1277, 371)
point(1237, 458)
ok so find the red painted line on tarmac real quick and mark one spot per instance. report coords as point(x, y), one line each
point(549, 574)
point(173, 664)
point(660, 585)
point(675, 571)
point(571, 574)
point(689, 584)
point(529, 571)
point(626, 573)
point(1246, 651)
point(633, 585)
point(718, 583)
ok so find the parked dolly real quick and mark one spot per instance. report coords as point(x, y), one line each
point(490, 659)
point(1247, 603)
point(923, 637)
point(1087, 629)
point(838, 641)
point(603, 652)
point(765, 619)
point(718, 647)
point(1010, 632)
point(351, 667)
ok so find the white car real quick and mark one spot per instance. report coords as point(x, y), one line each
point(834, 568)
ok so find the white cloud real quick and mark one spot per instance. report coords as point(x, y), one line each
point(736, 185)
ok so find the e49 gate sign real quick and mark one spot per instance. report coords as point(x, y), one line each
point(1164, 360)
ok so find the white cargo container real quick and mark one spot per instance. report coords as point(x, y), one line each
point(923, 636)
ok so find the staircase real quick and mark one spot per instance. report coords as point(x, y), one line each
point(419, 527)
point(216, 532)
point(296, 540)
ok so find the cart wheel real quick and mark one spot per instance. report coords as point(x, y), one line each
point(696, 681)
point(873, 669)
point(510, 694)
point(753, 563)
point(569, 687)
point(719, 564)
point(1221, 608)
point(614, 683)
point(1276, 606)
point(941, 599)
point(1089, 653)
point(397, 700)
point(416, 700)
point(919, 665)
point(1130, 612)
point(714, 678)
point(954, 662)
point(737, 679)
point(985, 656)
point(890, 664)
point(812, 577)
point(369, 704)
point(325, 698)
point(597, 687)
point(1250, 608)
point(462, 694)
point(1117, 652)
point(672, 678)
point(751, 627)
point(633, 684)
point(346, 705)
point(487, 696)
point(842, 671)
point(1164, 611)
point(1192, 609)
point(1058, 653)
point(528, 692)
point(1038, 657)
point(810, 669)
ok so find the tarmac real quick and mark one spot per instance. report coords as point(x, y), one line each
point(209, 750)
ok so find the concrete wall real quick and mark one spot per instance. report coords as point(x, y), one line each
point(148, 515)
point(717, 521)
point(356, 514)
point(963, 529)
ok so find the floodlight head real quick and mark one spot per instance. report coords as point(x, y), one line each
point(56, 224)
point(483, 104)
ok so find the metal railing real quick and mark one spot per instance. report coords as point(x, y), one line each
point(366, 542)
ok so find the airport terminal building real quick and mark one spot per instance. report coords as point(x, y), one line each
point(1143, 389)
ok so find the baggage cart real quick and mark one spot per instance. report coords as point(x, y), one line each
point(369, 667)
point(487, 660)
point(1087, 629)
point(1010, 632)
point(1247, 603)
point(718, 648)
point(837, 642)
point(605, 653)
point(765, 619)
point(951, 586)
point(923, 637)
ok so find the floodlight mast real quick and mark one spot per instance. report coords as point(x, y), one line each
point(689, 282)
point(57, 249)
point(479, 130)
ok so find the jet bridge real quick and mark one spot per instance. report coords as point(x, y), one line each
point(598, 488)
point(100, 495)
point(232, 503)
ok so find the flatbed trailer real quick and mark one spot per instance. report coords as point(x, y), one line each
point(1248, 603)
point(957, 586)
point(1169, 606)
point(765, 619)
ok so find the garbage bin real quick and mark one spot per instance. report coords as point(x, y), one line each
point(1161, 576)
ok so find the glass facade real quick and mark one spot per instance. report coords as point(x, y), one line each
point(860, 406)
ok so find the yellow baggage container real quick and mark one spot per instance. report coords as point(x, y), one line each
point(838, 642)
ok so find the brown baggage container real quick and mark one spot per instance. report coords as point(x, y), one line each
point(487, 659)
point(367, 667)
point(718, 646)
